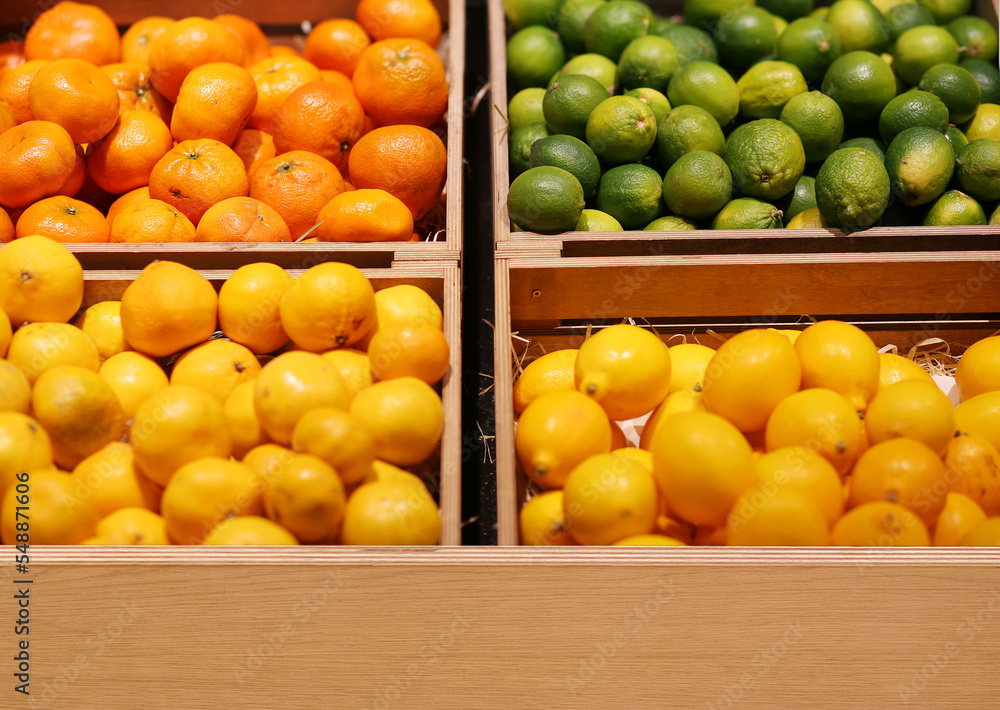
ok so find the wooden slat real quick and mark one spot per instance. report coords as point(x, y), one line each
point(503, 389)
point(636, 629)
point(443, 283)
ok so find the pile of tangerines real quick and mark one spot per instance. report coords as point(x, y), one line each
point(202, 130)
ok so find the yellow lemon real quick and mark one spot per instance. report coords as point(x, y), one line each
point(821, 420)
point(979, 369)
point(960, 515)
point(57, 515)
point(914, 409)
point(267, 460)
point(880, 524)
point(390, 513)
point(805, 470)
point(338, 438)
point(306, 497)
point(607, 498)
point(204, 493)
point(896, 368)
point(134, 377)
point(216, 367)
point(111, 479)
point(552, 372)
point(556, 432)
point(6, 333)
point(688, 362)
point(841, 357)
point(902, 471)
point(703, 465)
point(749, 375)
point(38, 347)
point(679, 402)
point(414, 350)
point(985, 124)
point(401, 305)
point(244, 425)
point(133, 526)
point(973, 465)
point(778, 516)
point(103, 323)
point(384, 471)
point(175, 426)
point(543, 522)
point(986, 534)
point(24, 446)
point(651, 540)
point(353, 367)
point(249, 530)
point(40, 280)
point(625, 369)
point(249, 303)
point(15, 390)
point(405, 417)
point(641, 457)
point(331, 305)
point(80, 412)
point(981, 415)
point(292, 384)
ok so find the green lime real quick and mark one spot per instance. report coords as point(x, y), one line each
point(656, 101)
point(767, 87)
point(956, 138)
point(534, 54)
point(914, 108)
point(906, 16)
point(852, 189)
point(818, 121)
point(632, 194)
point(956, 87)
point(988, 76)
point(820, 13)
point(801, 198)
point(572, 155)
point(698, 185)
point(920, 48)
point(690, 42)
point(875, 146)
point(859, 25)
point(706, 85)
point(521, 13)
point(649, 61)
point(573, 16)
point(780, 25)
point(569, 101)
point(621, 129)
point(975, 37)
point(766, 158)
point(995, 218)
point(685, 129)
point(704, 14)
point(525, 108)
point(545, 200)
point(595, 66)
point(861, 83)
point(955, 209)
point(521, 141)
point(787, 9)
point(597, 221)
point(810, 44)
point(670, 223)
point(977, 169)
point(745, 35)
point(747, 213)
point(947, 10)
point(920, 162)
point(613, 25)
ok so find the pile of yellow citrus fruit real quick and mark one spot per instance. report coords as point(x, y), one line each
point(202, 130)
point(778, 437)
point(277, 411)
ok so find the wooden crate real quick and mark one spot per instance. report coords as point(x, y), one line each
point(899, 298)
point(283, 23)
point(702, 241)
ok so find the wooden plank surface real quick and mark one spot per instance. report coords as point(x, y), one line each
point(369, 628)
point(443, 283)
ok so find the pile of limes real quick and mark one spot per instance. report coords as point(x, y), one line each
point(748, 116)
point(778, 437)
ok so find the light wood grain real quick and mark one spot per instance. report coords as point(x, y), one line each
point(553, 629)
point(443, 283)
